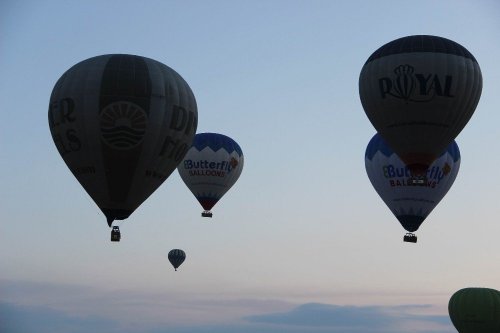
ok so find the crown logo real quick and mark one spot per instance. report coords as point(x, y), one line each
point(404, 83)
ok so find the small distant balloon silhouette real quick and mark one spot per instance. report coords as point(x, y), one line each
point(176, 257)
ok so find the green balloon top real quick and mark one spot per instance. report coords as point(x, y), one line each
point(475, 310)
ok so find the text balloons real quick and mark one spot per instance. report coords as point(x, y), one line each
point(475, 310)
point(121, 123)
point(176, 257)
point(411, 204)
point(419, 92)
point(211, 167)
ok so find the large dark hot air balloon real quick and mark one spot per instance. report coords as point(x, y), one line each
point(176, 257)
point(419, 92)
point(475, 310)
point(121, 123)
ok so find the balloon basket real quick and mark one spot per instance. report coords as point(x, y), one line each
point(206, 214)
point(115, 234)
point(410, 238)
point(417, 180)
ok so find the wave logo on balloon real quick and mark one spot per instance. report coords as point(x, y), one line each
point(415, 87)
point(123, 125)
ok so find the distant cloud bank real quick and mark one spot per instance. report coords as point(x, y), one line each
point(54, 309)
point(367, 319)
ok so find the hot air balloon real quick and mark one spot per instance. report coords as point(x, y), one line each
point(410, 203)
point(121, 123)
point(176, 257)
point(475, 310)
point(211, 167)
point(419, 92)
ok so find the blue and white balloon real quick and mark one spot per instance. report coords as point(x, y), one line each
point(211, 167)
point(411, 204)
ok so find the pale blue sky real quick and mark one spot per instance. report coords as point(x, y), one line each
point(301, 235)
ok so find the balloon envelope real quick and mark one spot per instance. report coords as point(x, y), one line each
point(419, 92)
point(211, 167)
point(176, 257)
point(411, 204)
point(121, 123)
point(475, 310)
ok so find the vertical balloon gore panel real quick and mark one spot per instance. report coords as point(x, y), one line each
point(124, 111)
point(111, 118)
point(74, 126)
